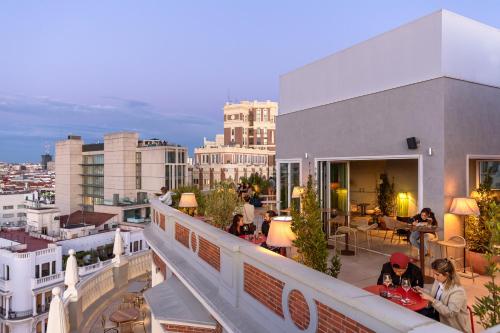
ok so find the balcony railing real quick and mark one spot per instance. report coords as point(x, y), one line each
point(15, 315)
point(277, 293)
point(47, 280)
point(85, 270)
point(4, 285)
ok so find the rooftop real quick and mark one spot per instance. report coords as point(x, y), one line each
point(79, 219)
point(20, 236)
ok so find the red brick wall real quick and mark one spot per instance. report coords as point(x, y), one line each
point(186, 329)
point(264, 288)
point(182, 235)
point(299, 310)
point(209, 252)
point(162, 221)
point(330, 321)
point(160, 264)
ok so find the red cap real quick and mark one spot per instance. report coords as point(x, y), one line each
point(400, 259)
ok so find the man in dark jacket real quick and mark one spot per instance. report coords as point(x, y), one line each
point(400, 267)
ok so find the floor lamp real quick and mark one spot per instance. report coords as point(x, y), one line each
point(464, 207)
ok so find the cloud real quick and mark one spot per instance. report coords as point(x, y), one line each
point(42, 118)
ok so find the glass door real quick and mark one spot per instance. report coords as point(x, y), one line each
point(289, 176)
point(333, 192)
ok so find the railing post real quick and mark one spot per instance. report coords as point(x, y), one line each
point(75, 315)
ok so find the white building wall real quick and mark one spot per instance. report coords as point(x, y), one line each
point(17, 201)
point(440, 44)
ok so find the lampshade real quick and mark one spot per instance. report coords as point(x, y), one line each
point(280, 232)
point(298, 191)
point(188, 200)
point(464, 206)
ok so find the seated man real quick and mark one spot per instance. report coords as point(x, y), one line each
point(400, 267)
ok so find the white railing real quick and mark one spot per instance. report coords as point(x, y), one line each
point(85, 270)
point(24, 255)
point(46, 251)
point(218, 266)
point(139, 263)
point(47, 280)
point(97, 285)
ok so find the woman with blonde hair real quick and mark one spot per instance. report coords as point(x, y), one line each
point(447, 296)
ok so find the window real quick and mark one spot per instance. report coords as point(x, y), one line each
point(37, 271)
point(265, 114)
point(7, 273)
point(54, 267)
point(491, 169)
point(140, 244)
point(21, 206)
point(6, 216)
point(258, 115)
point(21, 214)
point(45, 269)
point(136, 246)
point(8, 207)
point(171, 156)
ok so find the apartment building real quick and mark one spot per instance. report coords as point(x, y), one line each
point(13, 208)
point(247, 145)
point(29, 268)
point(117, 175)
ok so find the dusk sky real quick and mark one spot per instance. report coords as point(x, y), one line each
point(166, 68)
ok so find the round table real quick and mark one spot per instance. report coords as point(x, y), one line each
point(417, 302)
point(124, 316)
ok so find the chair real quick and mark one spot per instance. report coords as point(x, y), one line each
point(341, 231)
point(106, 327)
point(141, 321)
point(471, 315)
point(366, 229)
point(457, 243)
point(394, 225)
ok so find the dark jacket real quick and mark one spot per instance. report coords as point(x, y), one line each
point(413, 273)
point(265, 227)
point(233, 230)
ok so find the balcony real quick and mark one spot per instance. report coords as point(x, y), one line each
point(47, 280)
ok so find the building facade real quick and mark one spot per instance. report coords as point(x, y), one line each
point(247, 145)
point(420, 103)
point(120, 172)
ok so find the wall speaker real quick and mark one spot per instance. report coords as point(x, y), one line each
point(412, 142)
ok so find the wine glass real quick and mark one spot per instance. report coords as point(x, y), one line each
point(387, 281)
point(406, 285)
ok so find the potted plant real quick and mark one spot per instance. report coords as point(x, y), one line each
point(310, 239)
point(477, 233)
point(386, 195)
point(221, 204)
point(487, 308)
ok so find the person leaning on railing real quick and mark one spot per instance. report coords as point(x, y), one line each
point(447, 297)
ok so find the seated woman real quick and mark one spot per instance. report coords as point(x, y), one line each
point(425, 216)
point(400, 267)
point(447, 297)
point(236, 227)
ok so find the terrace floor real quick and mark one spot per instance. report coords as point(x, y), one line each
point(363, 269)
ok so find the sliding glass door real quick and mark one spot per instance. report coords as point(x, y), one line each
point(289, 176)
point(333, 192)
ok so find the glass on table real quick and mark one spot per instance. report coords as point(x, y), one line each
point(387, 281)
point(406, 285)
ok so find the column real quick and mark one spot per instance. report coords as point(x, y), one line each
point(43, 301)
point(43, 324)
point(7, 306)
point(34, 305)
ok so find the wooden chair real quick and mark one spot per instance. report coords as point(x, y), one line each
point(105, 326)
point(141, 321)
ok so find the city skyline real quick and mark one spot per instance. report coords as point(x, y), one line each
point(166, 70)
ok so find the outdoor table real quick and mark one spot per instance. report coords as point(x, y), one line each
point(424, 230)
point(257, 241)
point(136, 287)
point(417, 302)
point(124, 316)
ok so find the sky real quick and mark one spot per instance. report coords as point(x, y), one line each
point(166, 68)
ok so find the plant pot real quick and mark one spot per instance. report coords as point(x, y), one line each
point(479, 262)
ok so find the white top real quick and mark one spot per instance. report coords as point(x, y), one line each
point(248, 213)
point(167, 198)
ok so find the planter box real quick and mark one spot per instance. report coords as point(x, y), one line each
point(478, 262)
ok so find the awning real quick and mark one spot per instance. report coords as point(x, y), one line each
point(172, 303)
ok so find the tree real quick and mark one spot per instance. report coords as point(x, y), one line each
point(487, 308)
point(221, 204)
point(386, 195)
point(308, 228)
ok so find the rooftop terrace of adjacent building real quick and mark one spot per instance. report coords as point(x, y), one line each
point(13, 238)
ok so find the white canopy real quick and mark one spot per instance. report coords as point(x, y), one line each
point(57, 321)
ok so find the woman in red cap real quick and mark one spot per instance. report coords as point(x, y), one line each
point(400, 267)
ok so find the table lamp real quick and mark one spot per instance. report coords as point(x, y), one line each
point(188, 202)
point(280, 233)
point(464, 207)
